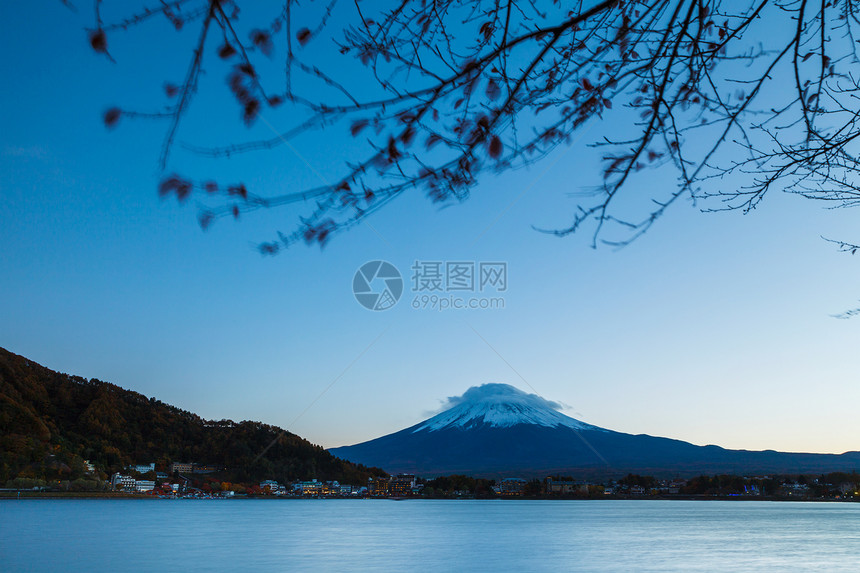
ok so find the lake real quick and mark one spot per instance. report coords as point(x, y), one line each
point(427, 535)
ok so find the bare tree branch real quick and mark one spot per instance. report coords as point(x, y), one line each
point(456, 88)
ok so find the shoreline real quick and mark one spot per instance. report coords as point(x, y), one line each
point(23, 494)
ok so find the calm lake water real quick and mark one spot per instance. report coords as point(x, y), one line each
point(425, 535)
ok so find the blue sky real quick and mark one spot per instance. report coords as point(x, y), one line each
point(712, 328)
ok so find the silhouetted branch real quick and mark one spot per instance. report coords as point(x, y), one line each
point(737, 98)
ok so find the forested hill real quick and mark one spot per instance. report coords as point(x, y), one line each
point(51, 422)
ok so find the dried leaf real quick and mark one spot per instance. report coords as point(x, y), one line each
point(239, 190)
point(269, 249)
point(495, 148)
point(393, 152)
point(98, 41)
point(250, 111)
point(111, 117)
point(357, 126)
point(487, 30)
point(263, 41)
point(226, 51)
point(432, 140)
point(205, 218)
point(175, 184)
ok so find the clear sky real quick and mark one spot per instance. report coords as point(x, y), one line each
point(712, 328)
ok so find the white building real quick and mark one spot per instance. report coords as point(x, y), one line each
point(143, 468)
point(271, 484)
point(181, 467)
point(119, 481)
point(143, 485)
point(312, 487)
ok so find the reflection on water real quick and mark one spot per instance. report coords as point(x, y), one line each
point(425, 535)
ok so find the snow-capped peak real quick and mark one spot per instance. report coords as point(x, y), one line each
point(500, 406)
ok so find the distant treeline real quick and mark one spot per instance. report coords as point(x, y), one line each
point(813, 486)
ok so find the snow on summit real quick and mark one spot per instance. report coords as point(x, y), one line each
point(500, 406)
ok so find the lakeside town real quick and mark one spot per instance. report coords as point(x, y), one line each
point(99, 440)
point(185, 480)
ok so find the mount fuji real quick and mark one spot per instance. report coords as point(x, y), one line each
point(495, 430)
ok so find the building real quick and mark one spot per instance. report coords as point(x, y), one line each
point(566, 488)
point(560, 487)
point(204, 469)
point(271, 484)
point(90, 468)
point(312, 487)
point(142, 468)
point(675, 486)
point(752, 489)
point(401, 485)
point(123, 482)
point(377, 487)
point(144, 485)
point(331, 488)
point(512, 486)
point(181, 467)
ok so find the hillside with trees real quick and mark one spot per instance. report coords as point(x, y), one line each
point(50, 423)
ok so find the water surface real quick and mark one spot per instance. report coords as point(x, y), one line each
point(427, 535)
